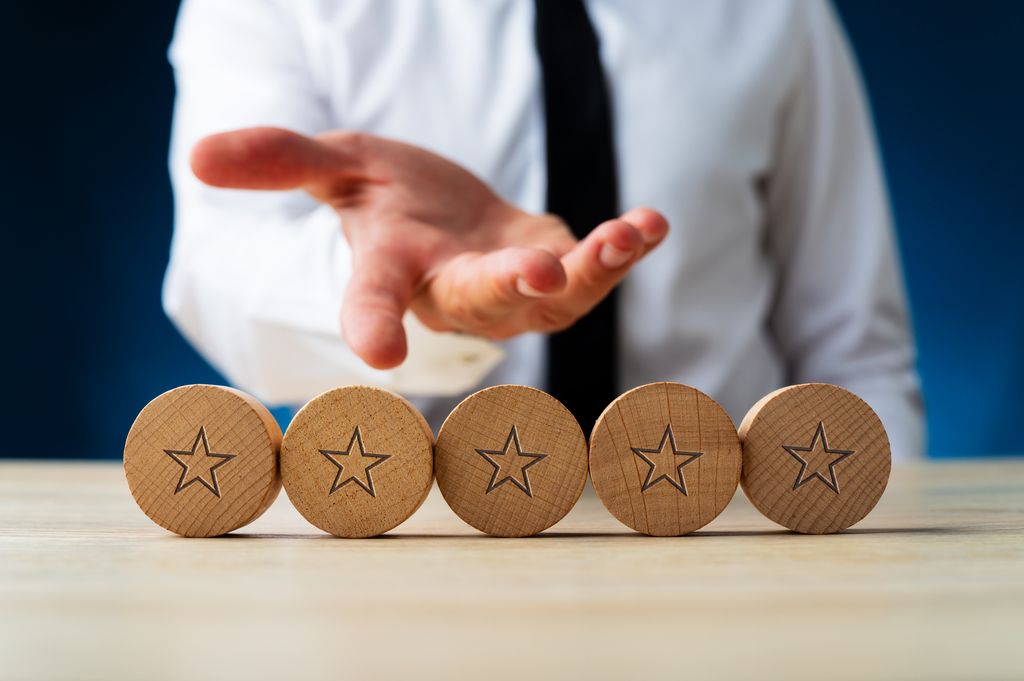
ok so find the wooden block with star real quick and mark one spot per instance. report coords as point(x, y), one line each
point(665, 459)
point(202, 460)
point(357, 461)
point(815, 457)
point(511, 460)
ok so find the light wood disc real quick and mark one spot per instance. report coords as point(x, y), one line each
point(665, 459)
point(511, 460)
point(202, 460)
point(357, 461)
point(815, 457)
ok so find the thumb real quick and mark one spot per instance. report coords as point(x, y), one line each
point(274, 158)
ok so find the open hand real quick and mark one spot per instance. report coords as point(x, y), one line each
point(429, 236)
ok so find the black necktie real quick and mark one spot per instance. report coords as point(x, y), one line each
point(582, 190)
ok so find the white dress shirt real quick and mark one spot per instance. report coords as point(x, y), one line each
point(744, 123)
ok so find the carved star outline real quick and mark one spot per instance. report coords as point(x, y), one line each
point(357, 440)
point(679, 481)
point(511, 441)
point(176, 454)
point(841, 455)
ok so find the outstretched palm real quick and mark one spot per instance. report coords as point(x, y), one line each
point(427, 235)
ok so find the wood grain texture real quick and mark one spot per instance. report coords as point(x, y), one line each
point(665, 459)
point(928, 586)
point(202, 460)
point(357, 461)
point(511, 460)
point(816, 457)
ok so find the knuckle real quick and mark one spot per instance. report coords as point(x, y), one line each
point(352, 140)
point(467, 314)
point(591, 280)
point(553, 319)
point(355, 144)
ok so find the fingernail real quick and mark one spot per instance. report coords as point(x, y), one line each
point(650, 237)
point(527, 290)
point(612, 257)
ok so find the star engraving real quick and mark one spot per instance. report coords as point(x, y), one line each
point(664, 458)
point(514, 460)
point(357, 464)
point(819, 456)
point(199, 464)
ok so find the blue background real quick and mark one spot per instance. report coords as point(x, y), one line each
point(87, 214)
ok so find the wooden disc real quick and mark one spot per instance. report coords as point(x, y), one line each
point(202, 460)
point(815, 457)
point(665, 459)
point(511, 460)
point(357, 461)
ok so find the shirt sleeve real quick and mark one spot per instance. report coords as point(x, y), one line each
point(841, 313)
point(255, 279)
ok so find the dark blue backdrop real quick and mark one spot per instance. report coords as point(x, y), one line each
point(87, 210)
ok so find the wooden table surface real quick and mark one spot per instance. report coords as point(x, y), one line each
point(930, 585)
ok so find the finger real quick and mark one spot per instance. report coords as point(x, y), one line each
point(595, 266)
point(474, 291)
point(376, 299)
point(273, 158)
point(651, 224)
